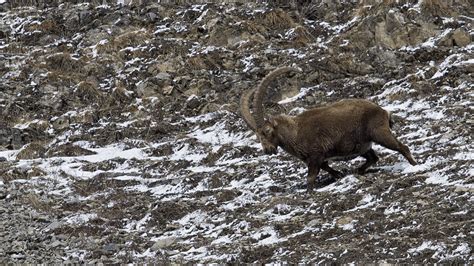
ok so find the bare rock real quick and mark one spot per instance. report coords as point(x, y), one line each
point(163, 243)
point(32, 151)
point(390, 28)
point(396, 31)
point(68, 150)
point(193, 102)
point(60, 123)
point(459, 37)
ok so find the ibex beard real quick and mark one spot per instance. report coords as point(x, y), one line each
point(339, 131)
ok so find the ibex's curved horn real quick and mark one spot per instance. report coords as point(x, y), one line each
point(261, 91)
point(245, 109)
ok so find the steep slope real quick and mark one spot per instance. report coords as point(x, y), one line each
point(121, 141)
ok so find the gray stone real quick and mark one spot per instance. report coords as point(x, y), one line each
point(85, 17)
point(163, 76)
point(54, 225)
point(61, 123)
point(110, 248)
point(151, 16)
point(56, 244)
point(193, 102)
point(32, 151)
point(461, 37)
point(163, 243)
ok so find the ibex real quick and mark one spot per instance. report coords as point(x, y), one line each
point(337, 131)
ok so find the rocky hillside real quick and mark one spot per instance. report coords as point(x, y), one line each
point(121, 138)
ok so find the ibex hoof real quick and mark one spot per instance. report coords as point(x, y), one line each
point(325, 181)
point(360, 171)
point(338, 175)
point(365, 171)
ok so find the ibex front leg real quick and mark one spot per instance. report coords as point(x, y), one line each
point(313, 171)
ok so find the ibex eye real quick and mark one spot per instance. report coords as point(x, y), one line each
point(268, 131)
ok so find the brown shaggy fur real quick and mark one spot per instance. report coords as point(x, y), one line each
point(337, 131)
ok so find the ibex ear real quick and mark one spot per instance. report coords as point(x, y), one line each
point(273, 121)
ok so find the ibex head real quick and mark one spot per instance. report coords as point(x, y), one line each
point(268, 136)
point(265, 129)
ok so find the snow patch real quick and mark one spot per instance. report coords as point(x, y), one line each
point(303, 92)
point(81, 218)
point(248, 63)
point(218, 135)
point(341, 186)
point(267, 236)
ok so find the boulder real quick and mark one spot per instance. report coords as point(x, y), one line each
point(461, 37)
point(68, 150)
point(32, 151)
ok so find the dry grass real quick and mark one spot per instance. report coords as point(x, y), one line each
point(167, 47)
point(126, 55)
point(57, 78)
point(433, 7)
point(252, 26)
point(61, 62)
point(377, 2)
point(438, 7)
point(13, 112)
point(15, 48)
point(119, 96)
point(14, 174)
point(48, 26)
point(200, 62)
point(68, 150)
point(367, 7)
point(277, 19)
point(196, 63)
point(36, 202)
point(7, 175)
point(88, 93)
point(301, 36)
point(128, 39)
point(33, 150)
point(63, 69)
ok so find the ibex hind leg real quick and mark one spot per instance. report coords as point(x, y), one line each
point(384, 137)
point(334, 173)
point(371, 158)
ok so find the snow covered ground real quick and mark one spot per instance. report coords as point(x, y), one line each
point(198, 188)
